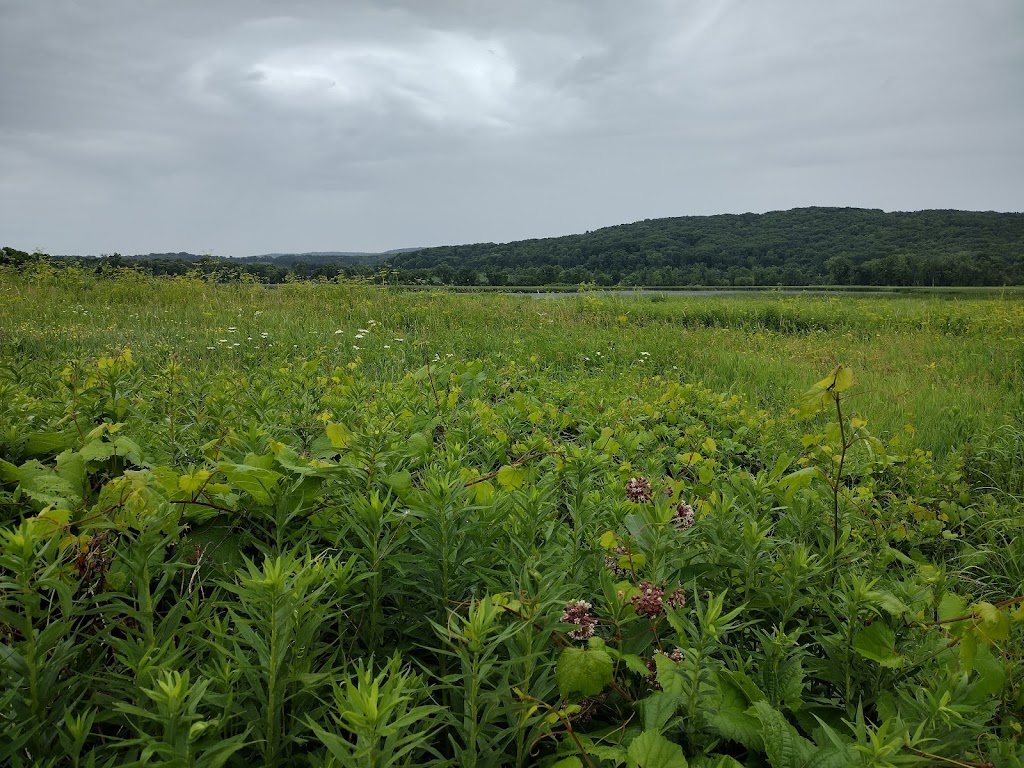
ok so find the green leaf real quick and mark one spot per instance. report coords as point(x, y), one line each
point(729, 718)
point(669, 676)
point(652, 750)
point(635, 664)
point(967, 651)
point(97, 450)
point(991, 672)
point(891, 604)
point(193, 482)
point(255, 481)
point(821, 394)
point(784, 746)
point(582, 670)
point(129, 449)
point(994, 624)
point(878, 643)
point(339, 435)
point(45, 443)
point(40, 483)
point(614, 754)
point(483, 493)
point(794, 481)
point(715, 761)
point(835, 756)
point(657, 710)
point(510, 477)
point(840, 379)
point(418, 446)
point(951, 606)
point(71, 467)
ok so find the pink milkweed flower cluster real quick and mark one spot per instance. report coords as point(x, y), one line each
point(638, 490)
point(611, 562)
point(677, 599)
point(651, 601)
point(683, 516)
point(578, 612)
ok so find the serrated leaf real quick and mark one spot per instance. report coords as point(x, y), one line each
point(339, 435)
point(668, 675)
point(730, 719)
point(193, 482)
point(71, 467)
point(97, 450)
point(652, 750)
point(657, 710)
point(635, 664)
point(967, 650)
point(784, 747)
point(951, 606)
point(49, 522)
point(834, 757)
point(994, 623)
point(510, 477)
point(583, 670)
point(255, 481)
point(889, 603)
point(820, 395)
point(878, 643)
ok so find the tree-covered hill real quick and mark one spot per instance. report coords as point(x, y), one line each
point(803, 246)
point(800, 246)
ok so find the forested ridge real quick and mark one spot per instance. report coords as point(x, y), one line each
point(796, 247)
point(803, 246)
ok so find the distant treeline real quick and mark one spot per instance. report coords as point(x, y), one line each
point(804, 246)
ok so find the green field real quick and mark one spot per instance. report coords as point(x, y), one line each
point(322, 524)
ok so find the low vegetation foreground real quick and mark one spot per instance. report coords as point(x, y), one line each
point(343, 525)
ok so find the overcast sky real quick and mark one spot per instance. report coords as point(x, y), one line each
point(247, 126)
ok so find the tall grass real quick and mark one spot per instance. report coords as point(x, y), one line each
point(935, 370)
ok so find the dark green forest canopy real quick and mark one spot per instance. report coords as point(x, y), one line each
point(803, 246)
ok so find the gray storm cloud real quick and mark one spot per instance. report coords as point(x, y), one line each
point(246, 127)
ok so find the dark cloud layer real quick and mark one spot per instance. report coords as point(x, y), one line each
point(247, 126)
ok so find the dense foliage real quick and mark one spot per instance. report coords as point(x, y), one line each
point(804, 246)
point(840, 246)
point(260, 552)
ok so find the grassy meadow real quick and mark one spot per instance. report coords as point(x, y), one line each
point(322, 524)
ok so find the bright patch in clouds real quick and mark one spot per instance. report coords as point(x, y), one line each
point(442, 78)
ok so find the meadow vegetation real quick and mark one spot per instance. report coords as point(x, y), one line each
point(322, 524)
